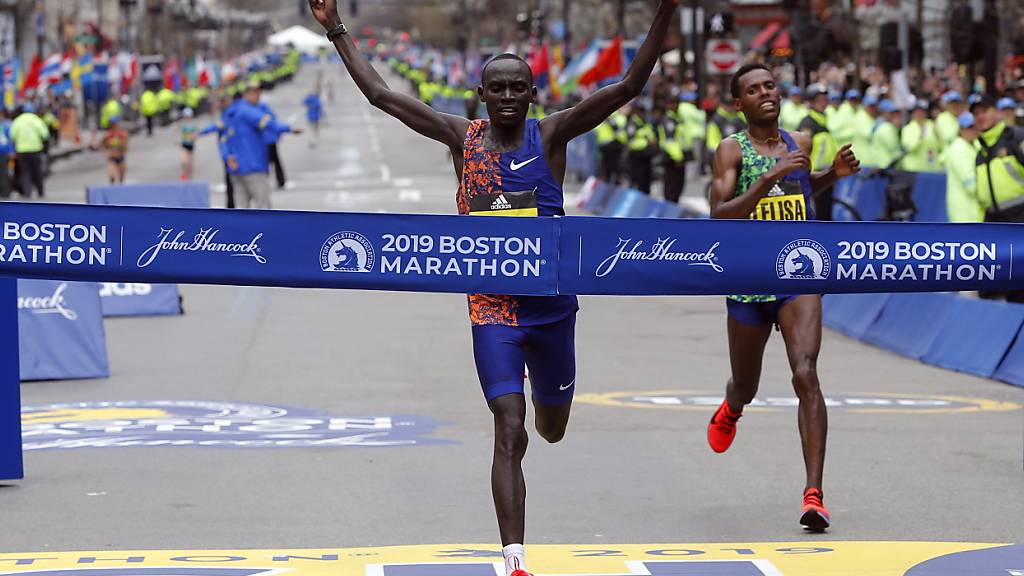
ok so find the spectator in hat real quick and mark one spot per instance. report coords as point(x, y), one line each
point(947, 124)
point(920, 141)
point(961, 177)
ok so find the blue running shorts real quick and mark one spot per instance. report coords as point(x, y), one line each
point(757, 313)
point(549, 351)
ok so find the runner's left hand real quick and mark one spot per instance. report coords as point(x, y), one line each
point(846, 163)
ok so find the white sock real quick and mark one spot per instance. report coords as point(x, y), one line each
point(515, 558)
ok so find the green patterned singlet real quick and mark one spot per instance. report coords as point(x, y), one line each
point(785, 202)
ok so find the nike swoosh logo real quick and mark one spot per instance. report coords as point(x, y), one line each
point(515, 167)
point(567, 386)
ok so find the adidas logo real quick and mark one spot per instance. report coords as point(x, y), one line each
point(500, 203)
point(776, 191)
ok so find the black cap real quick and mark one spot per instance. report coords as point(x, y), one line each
point(981, 100)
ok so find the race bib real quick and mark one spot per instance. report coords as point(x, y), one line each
point(785, 202)
point(504, 204)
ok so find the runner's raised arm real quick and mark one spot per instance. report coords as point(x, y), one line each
point(590, 113)
point(445, 128)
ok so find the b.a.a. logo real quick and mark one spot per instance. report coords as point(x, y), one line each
point(804, 260)
point(347, 252)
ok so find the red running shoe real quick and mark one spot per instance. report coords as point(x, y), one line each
point(521, 573)
point(815, 516)
point(722, 429)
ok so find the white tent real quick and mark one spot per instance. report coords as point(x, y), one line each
point(304, 39)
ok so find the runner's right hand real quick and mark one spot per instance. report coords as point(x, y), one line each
point(795, 160)
point(325, 12)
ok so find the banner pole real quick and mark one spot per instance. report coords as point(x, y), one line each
point(11, 467)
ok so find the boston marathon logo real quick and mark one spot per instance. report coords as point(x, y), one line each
point(661, 251)
point(203, 241)
point(803, 260)
point(925, 261)
point(427, 255)
point(54, 243)
point(211, 424)
point(347, 252)
point(55, 304)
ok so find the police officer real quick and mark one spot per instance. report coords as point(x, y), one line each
point(165, 100)
point(961, 175)
point(999, 167)
point(724, 123)
point(611, 141)
point(111, 109)
point(793, 110)
point(1000, 162)
point(885, 137)
point(150, 108)
point(696, 122)
point(863, 125)
point(823, 145)
point(921, 142)
point(844, 124)
point(1008, 109)
point(643, 147)
point(673, 139)
point(29, 134)
point(947, 123)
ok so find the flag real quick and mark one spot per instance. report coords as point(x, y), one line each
point(579, 65)
point(9, 82)
point(609, 64)
point(202, 72)
point(31, 80)
point(540, 64)
point(50, 71)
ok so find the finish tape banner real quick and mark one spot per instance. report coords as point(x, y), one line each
point(527, 256)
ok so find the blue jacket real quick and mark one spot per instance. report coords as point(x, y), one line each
point(6, 144)
point(274, 129)
point(314, 108)
point(248, 128)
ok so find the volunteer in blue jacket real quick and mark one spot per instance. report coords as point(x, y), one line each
point(249, 126)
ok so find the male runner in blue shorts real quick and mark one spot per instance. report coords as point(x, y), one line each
point(763, 173)
point(512, 166)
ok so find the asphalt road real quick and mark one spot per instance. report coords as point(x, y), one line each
point(905, 462)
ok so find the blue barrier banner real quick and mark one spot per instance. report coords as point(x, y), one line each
point(853, 314)
point(139, 299)
point(122, 299)
point(665, 257)
point(930, 198)
point(976, 336)
point(61, 333)
point(1012, 368)
point(157, 195)
point(528, 256)
point(456, 254)
point(910, 323)
point(10, 384)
